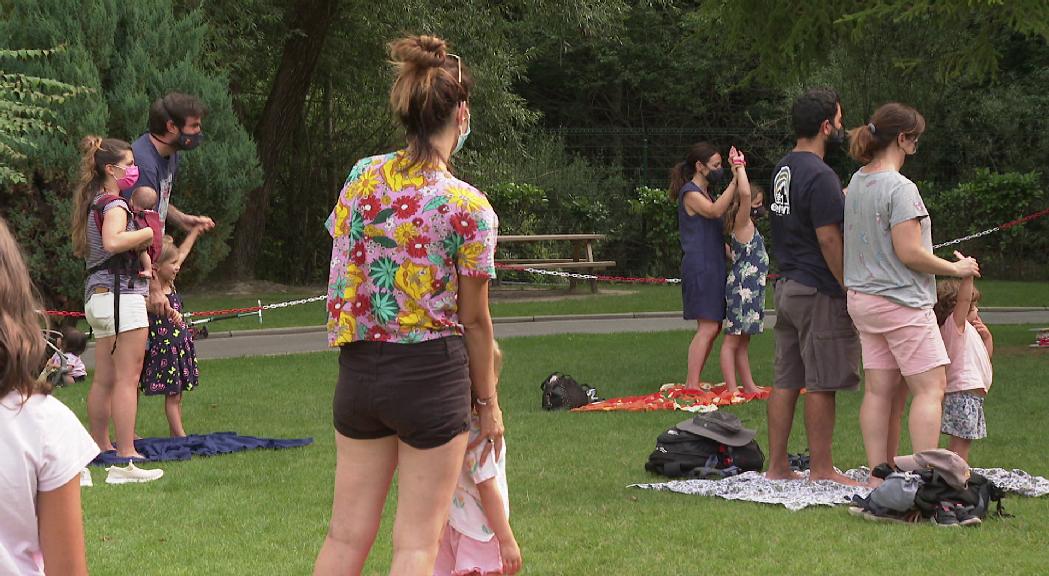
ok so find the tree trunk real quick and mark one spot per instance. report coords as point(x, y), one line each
point(310, 23)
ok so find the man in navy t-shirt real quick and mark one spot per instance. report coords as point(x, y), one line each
point(174, 125)
point(817, 347)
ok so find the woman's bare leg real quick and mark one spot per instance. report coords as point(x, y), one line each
point(100, 395)
point(899, 405)
point(699, 350)
point(880, 389)
point(425, 483)
point(926, 408)
point(363, 471)
point(131, 349)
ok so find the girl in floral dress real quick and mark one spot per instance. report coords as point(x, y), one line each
point(745, 285)
point(171, 361)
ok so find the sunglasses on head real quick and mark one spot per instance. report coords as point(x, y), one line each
point(459, 65)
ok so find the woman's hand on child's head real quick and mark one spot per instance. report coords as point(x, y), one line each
point(511, 556)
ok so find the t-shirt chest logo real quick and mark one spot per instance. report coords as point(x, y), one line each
point(781, 192)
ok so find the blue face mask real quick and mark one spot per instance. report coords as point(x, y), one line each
point(462, 137)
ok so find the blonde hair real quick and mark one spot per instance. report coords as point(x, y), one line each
point(947, 298)
point(22, 348)
point(168, 250)
point(426, 92)
point(97, 154)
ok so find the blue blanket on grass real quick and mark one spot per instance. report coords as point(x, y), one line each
point(214, 444)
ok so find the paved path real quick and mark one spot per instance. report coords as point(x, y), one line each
point(313, 339)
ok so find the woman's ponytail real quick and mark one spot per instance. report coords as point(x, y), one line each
point(682, 172)
point(97, 153)
point(886, 124)
point(862, 143)
point(678, 176)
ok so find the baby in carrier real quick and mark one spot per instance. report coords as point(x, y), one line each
point(143, 200)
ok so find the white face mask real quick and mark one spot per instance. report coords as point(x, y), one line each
point(462, 137)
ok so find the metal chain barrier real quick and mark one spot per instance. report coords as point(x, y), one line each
point(557, 273)
point(967, 238)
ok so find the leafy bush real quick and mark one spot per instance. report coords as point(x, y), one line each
point(986, 200)
point(521, 207)
point(654, 229)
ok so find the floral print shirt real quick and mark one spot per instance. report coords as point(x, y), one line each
point(401, 239)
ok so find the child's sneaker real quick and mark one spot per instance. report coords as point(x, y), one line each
point(131, 474)
point(85, 478)
point(966, 515)
point(944, 516)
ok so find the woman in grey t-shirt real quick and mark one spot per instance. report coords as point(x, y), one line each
point(103, 234)
point(890, 276)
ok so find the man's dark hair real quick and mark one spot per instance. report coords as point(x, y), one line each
point(811, 109)
point(174, 106)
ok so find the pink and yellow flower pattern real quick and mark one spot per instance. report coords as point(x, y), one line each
point(401, 239)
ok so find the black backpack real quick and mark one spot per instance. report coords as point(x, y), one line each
point(562, 391)
point(979, 493)
point(681, 454)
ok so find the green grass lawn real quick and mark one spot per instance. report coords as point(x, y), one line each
point(615, 298)
point(267, 512)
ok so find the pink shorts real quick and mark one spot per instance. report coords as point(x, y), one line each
point(460, 555)
point(895, 337)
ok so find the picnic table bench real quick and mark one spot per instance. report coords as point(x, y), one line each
point(582, 255)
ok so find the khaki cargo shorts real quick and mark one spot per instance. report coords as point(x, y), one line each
point(817, 346)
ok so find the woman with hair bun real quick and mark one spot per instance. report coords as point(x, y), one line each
point(890, 276)
point(413, 251)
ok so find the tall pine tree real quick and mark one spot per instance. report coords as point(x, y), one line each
point(129, 54)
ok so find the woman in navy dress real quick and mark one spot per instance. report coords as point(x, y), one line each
point(703, 259)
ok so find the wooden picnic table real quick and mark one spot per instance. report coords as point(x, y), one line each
point(582, 254)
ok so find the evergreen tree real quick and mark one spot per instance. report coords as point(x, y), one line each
point(127, 54)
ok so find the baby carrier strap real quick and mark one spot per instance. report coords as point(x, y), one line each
point(121, 263)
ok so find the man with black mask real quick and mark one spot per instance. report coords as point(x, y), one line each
point(174, 126)
point(817, 346)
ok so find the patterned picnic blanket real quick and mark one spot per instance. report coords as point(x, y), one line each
point(675, 397)
point(798, 494)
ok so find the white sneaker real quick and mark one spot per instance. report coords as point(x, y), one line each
point(85, 477)
point(131, 474)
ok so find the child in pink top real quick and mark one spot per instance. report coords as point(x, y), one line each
point(478, 540)
point(969, 345)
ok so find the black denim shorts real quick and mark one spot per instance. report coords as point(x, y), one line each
point(420, 392)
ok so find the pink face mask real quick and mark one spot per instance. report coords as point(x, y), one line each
point(129, 179)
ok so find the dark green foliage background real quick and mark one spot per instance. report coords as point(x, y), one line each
point(579, 112)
